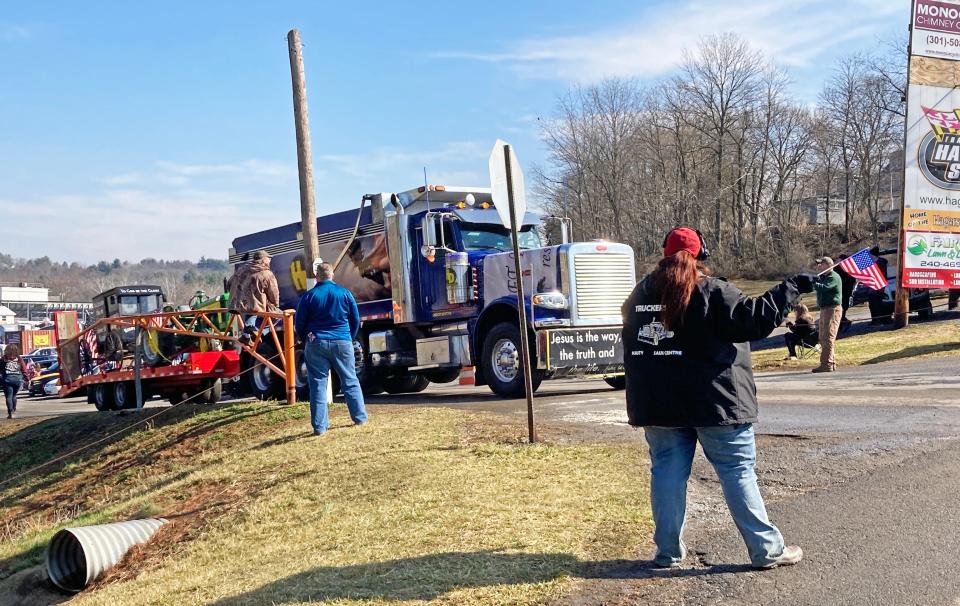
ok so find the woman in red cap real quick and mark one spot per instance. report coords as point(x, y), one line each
point(689, 379)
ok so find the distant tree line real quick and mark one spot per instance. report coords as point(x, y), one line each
point(722, 145)
point(76, 282)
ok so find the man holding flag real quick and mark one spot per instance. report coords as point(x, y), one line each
point(828, 287)
point(861, 266)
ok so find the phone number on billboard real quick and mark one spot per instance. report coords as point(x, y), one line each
point(943, 41)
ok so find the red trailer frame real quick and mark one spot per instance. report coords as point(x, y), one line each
point(192, 368)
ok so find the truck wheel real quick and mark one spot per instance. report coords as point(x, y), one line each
point(211, 391)
point(501, 362)
point(405, 384)
point(301, 377)
point(103, 396)
point(617, 382)
point(262, 382)
point(370, 381)
point(124, 395)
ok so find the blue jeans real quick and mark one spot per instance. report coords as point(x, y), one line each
point(10, 394)
point(732, 451)
point(320, 355)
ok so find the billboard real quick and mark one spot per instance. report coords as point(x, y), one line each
point(936, 30)
point(931, 197)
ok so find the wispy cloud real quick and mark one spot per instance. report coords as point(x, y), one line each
point(11, 32)
point(793, 34)
point(173, 174)
point(464, 159)
point(134, 223)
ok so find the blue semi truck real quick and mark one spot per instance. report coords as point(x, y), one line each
point(435, 281)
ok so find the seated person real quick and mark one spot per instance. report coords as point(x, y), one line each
point(802, 330)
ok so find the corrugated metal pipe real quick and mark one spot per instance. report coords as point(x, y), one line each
point(77, 556)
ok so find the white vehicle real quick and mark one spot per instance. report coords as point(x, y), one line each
point(52, 388)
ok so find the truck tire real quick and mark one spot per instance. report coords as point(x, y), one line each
point(262, 383)
point(405, 384)
point(617, 382)
point(103, 396)
point(501, 362)
point(371, 383)
point(302, 379)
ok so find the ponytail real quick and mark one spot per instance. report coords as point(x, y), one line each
point(675, 278)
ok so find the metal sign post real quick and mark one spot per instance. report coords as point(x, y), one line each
point(509, 177)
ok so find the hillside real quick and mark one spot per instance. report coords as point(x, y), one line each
point(418, 506)
point(76, 282)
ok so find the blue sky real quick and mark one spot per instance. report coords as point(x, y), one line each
point(166, 129)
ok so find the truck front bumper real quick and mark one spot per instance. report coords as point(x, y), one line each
point(580, 351)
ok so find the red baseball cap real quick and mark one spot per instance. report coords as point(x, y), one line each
point(682, 238)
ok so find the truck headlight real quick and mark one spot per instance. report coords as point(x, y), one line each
point(550, 300)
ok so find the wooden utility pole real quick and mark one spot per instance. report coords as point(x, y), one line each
point(308, 211)
point(901, 301)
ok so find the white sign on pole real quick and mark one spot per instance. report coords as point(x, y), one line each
point(498, 185)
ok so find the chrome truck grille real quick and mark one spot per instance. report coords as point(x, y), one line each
point(602, 282)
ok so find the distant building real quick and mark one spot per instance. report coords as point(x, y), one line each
point(814, 210)
point(32, 302)
point(7, 315)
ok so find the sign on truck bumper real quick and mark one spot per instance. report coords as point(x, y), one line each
point(580, 351)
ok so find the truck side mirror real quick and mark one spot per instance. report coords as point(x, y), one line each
point(429, 227)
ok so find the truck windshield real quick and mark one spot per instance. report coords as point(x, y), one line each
point(491, 237)
point(131, 305)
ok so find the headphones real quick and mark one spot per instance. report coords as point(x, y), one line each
point(704, 253)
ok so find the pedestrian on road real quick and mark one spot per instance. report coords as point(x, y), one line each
point(802, 330)
point(12, 372)
point(829, 293)
point(258, 291)
point(689, 379)
point(328, 320)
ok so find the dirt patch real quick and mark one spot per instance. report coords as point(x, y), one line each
point(30, 587)
point(186, 521)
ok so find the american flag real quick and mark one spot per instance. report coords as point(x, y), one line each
point(942, 122)
point(862, 267)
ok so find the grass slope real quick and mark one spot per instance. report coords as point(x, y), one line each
point(418, 506)
point(919, 340)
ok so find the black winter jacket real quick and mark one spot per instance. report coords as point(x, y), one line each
point(698, 374)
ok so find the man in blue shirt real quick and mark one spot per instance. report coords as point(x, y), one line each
point(327, 321)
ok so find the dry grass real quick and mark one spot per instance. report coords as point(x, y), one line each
point(915, 341)
point(418, 506)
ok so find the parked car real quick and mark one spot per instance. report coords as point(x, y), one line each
point(38, 382)
point(44, 352)
point(882, 303)
point(52, 388)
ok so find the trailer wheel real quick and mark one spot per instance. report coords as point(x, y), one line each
point(103, 396)
point(501, 362)
point(405, 384)
point(211, 391)
point(617, 382)
point(124, 395)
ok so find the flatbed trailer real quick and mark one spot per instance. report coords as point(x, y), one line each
point(185, 373)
